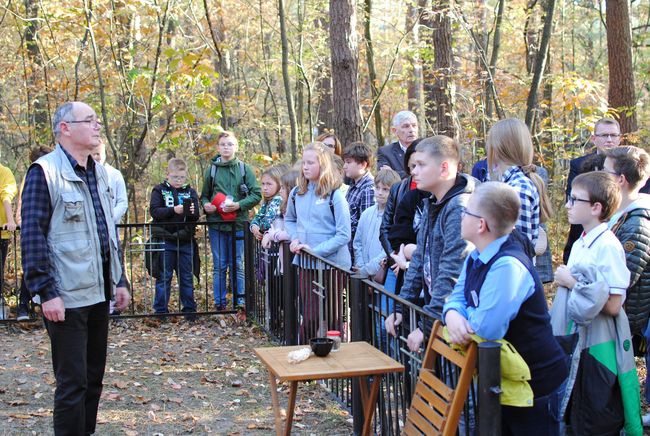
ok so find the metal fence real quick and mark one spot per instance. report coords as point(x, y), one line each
point(317, 295)
point(143, 257)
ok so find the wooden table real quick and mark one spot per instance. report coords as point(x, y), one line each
point(354, 359)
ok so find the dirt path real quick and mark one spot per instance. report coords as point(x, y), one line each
point(168, 379)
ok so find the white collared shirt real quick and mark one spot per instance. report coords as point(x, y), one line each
point(601, 248)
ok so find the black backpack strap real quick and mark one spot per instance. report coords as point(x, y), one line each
point(332, 203)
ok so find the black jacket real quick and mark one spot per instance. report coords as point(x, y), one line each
point(163, 199)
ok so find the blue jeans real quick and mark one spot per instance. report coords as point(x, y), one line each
point(541, 419)
point(176, 257)
point(221, 244)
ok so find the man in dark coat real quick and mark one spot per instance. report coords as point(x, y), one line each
point(405, 127)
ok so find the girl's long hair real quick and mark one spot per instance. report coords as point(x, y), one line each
point(288, 182)
point(329, 178)
point(509, 142)
point(275, 172)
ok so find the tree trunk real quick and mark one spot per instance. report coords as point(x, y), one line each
point(416, 81)
point(439, 77)
point(372, 74)
point(491, 95)
point(621, 70)
point(345, 71)
point(36, 95)
point(540, 64)
point(287, 82)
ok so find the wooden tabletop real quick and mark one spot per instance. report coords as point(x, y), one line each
point(353, 359)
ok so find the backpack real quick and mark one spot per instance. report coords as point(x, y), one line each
point(243, 188)
point(293, 200)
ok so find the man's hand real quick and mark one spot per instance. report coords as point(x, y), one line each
point(415, 340)
point(564, 278)
point(458, 328)
point(393, 320)
point(122, 298)
point(54, 310)
point(209, 208)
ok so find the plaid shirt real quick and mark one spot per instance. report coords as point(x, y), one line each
point(360, 196)
point(36, 214)
point(528, 222)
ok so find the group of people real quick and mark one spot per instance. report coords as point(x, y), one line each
point(467, 249)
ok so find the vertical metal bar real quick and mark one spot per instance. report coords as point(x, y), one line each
point(250, 277)
point(290, 294)
point(357, 322)
point(489, 388)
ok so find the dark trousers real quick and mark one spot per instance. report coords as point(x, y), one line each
point(4, 250)
point(542, 419)
point(78, 357)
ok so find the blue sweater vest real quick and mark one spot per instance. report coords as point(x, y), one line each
point(530, 331)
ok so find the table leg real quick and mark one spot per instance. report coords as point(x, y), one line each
point(291, 407)
point(276, 404)
point(370, 405)
point(363, 387)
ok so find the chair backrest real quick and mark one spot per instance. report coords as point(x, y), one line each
point(436, 407)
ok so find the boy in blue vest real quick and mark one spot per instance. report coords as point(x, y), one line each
point(499, 296)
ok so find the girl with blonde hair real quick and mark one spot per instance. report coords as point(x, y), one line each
point(510, 159)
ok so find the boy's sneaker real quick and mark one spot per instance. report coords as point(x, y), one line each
point(23, 313)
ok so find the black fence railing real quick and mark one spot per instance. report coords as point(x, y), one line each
point(318, 296)
point(143, 251)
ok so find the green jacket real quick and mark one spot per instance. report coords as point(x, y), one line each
point(226, 177)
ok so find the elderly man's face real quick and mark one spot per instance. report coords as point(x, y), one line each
point(406, 131)
point(84, 129)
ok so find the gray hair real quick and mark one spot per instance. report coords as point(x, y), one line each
point(401, 116)
point(63, 113)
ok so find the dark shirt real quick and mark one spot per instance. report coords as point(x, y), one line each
point(36, 203)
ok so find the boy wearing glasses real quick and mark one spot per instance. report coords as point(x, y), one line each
point(174, 207)
point(603, 392)
point(500, 296)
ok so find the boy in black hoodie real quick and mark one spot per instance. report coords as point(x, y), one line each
point(175, 205)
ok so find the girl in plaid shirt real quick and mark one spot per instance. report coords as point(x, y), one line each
point(510, 159)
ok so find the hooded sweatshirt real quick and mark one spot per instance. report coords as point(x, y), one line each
point(441, 252)
point(227, 180)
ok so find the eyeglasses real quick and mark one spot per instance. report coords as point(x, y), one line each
point(177, 178)
point(92, 122)
point(572, 200)
point(608, 135)
point(464, 212)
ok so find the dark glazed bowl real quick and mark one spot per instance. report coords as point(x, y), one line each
point(321, 346)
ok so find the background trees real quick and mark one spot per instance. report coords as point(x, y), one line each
point(166, 75)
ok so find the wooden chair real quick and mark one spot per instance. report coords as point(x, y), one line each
point(436, 408)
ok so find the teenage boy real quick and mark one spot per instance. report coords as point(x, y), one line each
point(368, 252)
point(500, 296)
point(605, 394)
point(440, 252)
point(229, 191)
point(361, 195)
point(630, 166)
point(176, 205)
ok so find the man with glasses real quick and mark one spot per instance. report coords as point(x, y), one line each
point(71, 260)
point(607, 135)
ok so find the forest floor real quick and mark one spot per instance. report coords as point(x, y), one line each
point(163, 379)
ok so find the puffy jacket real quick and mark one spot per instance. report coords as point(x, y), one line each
point(633, 230)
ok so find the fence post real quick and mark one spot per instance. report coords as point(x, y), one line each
point(249, 272)
point(489, 388)
point(290, 291)
point(358, 302)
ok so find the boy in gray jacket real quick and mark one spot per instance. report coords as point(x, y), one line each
point(440, 253)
